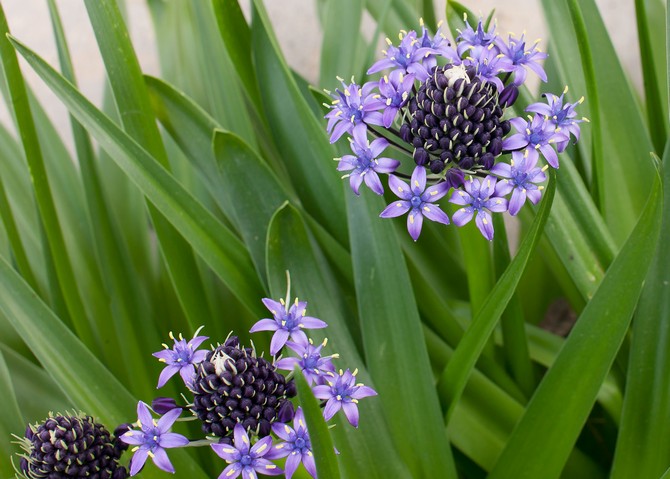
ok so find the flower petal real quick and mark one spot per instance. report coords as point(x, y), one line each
point(168, 419)
point(418, 181)
point(138, 460)
point(292, 463)
point(232, 471)
point(172, 439)
point(462, 216)
point(166, 374)
point(397, 208)
point(485, 225)
point(227, 452)
point(278, 340)
point(332, 406)
point(351, 412)
point(162, 461)
point(434, 213)
point(241, 439)
point(143, 415)
point(414, 223)
point(373, 182)
point(309, 322)
point(264, 325)
point(399, 188)
point(516, 201)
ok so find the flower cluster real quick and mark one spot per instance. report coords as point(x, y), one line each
point(448, 107)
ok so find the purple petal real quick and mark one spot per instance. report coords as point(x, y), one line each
point(168, 419)
point(197, 341)
point(278, 340)
point(351, 411)
point(355, 180)
point(166, 374)
point(541, 108)
point(397, 208)
point(232, 471)
point(262, 447)
point(399, 188)
point(460, 197)
point(363, 392)
point(162, 461)
point(386, 165)
point(502, 169)
point(373, 182)
point(389, 115)
point(172, 439)
point(278, 450)
point(264, 325)
point(165, 354)
point(199, 356)
point(248, 473)
point(134, 438)
point(497, 205)
point(187, 373)
point(435, 192)
point(309, 322)
point(414, 224)
point(340, 129)
point(377, 146)
point(483, 222)
point(550, 155)
point(287, 364)
point(534, 195)
point(503, 187)
point(241, 439)
point(515, 142)
point(143, 415)
point(462, 216)
point(516, 201)
point(322, 392)
point(138, 460)
point(266, 467)
point(310, 464)
point(380, 65)
point(226, 452)
point(292, 463)
point(332, 406)
point(418, 181)
point(434, 213)
point(283, 431)
point(360, 134)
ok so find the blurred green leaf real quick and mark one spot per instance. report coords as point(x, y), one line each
point(10, 420)
point(392, 335)
point(221, 250)
point(540, 442)
point(643, 442)
point(322, 444)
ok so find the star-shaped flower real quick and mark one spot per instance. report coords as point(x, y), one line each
point(286, 322)
point(245, 459)
point(297, 445)
point(521, 178)
point(152, 439)
point(407, 57)
point(315, 367)
point(475, 40)
point(562, 116)
point(417, 200)
point(536, 134)
point(479, 198)
point(515, 50)
point(343, 393)
point(181, 359)
point(365, 162)
point(351, 106)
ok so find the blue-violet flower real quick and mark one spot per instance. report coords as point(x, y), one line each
point(181, 359)
point(315, 367)
point(246, 459)
point(521, 177)
point(479, 198)
point(297, 445)
point(343, 393)
point(350, 107)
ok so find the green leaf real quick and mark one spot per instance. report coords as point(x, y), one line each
point(132, 101)
point(367, 451)
point(89, 386)
point(643, 442)
point(220, 249)
point(43, 194)
point(322, 444)
point(10, 420)
point(455, 375)
point(299, 136)
point(392, 333)
point(540, 442)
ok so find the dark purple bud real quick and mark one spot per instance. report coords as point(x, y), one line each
point(420, 156)
point(487, 161)
point(431, 144)
point(467, 162)
point(286, 412)
point(505, 126)
point(405, 133)
point(508, 96)
point(29, 432)
point(431, 121)
point(162, 405)
point(436, 166)
point(455, 177)
point(23, 464)
point(495, 148)
point(442, 82)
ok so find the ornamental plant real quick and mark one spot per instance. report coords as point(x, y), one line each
point(511, 319)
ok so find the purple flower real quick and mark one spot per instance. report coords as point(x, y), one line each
point(521, 178)
point(469, 39)
point(364, 162)
point(560, 115)
point(245, 459)
point(488, 63)
point(418, 200)
point(479, 198)
point(286, 323)
point(394, 90)
point(439, 46)
point(343, 393)
point(181, 359)
point(407, 57)
point(297, 445)
point(515, 51)
point(152, 439)
point(352, 106)
point(536, 134)
point(315, 367)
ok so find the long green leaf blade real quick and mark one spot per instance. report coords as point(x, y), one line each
point(541, 443)
point(455, 375)
point(390, 324)
point(214, 242)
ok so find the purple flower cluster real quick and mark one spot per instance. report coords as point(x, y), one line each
point(445, 105)
point(243, 401)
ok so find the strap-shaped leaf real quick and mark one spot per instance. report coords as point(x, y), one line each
point(455, 375)
point(220, 249)
point(541, 442)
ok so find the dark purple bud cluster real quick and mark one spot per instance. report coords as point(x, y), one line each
point(64, 447)
point(233, 386)
point(455, 117)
